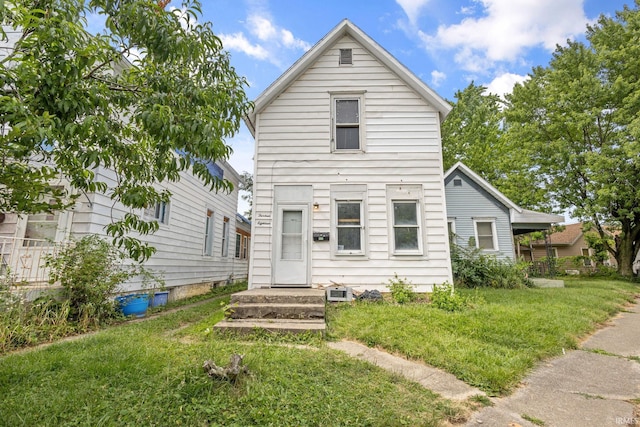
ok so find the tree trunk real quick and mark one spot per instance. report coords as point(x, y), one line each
point(625, 251)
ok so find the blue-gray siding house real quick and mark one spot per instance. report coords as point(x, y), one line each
point(480, 216)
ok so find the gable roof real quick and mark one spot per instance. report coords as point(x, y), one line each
point(461, 167)
point(345, 28)
point(522, 220)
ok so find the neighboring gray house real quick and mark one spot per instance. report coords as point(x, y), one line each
point(480, 216)
point(348, 183)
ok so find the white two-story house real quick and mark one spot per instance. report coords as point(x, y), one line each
point(348, 182)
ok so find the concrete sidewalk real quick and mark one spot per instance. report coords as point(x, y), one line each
point(429, 377)
point(593, 386)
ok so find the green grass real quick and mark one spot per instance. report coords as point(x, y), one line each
point(495, 344)
point(150, 373)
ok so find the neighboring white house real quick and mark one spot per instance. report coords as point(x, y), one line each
point(242, 245)
point(348, 182)
point(480, 216)
point(195, 243)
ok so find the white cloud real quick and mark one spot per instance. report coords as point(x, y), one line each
point(270, 41)
point(507, 28)
point(437, 77)
point(504, 83)
point(412, 8)
point(261, 27)
point(239, 42)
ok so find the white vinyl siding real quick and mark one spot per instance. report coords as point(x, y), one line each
point(180, 245)
point(400, 142)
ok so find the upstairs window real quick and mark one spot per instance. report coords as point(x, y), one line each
point(347, 122)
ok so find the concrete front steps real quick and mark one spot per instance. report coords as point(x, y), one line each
point(280, 310)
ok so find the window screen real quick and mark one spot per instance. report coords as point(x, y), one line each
point(347, 124)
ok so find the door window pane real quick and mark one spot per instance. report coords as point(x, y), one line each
point(291, 235)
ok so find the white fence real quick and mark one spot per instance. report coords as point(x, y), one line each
point(23, 260)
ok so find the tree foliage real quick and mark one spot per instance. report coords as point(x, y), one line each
point(473, 133)
point(578, 123)
point(150, 96)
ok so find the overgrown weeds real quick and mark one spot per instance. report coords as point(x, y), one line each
point(402, 291)
point(473, 269)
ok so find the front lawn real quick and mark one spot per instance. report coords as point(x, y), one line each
point(150, 373)
point(493, 345)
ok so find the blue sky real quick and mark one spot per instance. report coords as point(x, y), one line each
point(446, 43)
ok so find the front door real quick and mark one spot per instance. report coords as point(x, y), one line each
point(292, 253)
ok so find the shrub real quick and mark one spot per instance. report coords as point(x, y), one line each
point(90, 271)
point(401, 290)
point(472, 269)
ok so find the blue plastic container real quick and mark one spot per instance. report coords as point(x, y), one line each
point(159, 298)
point(134, 304)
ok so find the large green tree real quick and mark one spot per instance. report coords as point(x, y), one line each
point(473, 133)
point(578, 123)
point(151, 95)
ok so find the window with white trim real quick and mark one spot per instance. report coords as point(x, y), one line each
point(159, 212)
point(347, 122)
point(406, 227)
point(406, 235)
point(245, 249)
point(225, 236)
point(348, 203)
point(349, 226)
point(208, 233)
point(486, 238)
point(238, 244)
point(586, 257)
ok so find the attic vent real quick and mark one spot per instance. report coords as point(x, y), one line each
point(346, 56)
point(457, 182)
